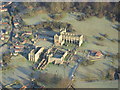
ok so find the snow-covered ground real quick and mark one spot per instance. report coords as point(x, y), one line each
point(89, 28)
point(43, 43)
point(20, 70)
point(98, 84)
point(36, 19)
point(93, 27)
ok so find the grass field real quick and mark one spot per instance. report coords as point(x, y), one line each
point(90, 28)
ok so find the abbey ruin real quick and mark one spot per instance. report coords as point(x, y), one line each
point(54, 54)
point(64, 36)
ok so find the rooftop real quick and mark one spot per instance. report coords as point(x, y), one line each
point(95, 53)
point(19, 46)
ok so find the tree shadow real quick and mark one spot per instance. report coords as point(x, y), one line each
point(81, 75)
point(25, 80)
point(99, 44)
point(10, 79)
point(109, 65)
point(25, 71)
point(108, 18)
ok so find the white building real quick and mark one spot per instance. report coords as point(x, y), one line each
point(34, 54)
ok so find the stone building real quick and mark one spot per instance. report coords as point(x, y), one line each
point(35, 53)
point(64, 37)
point(57, 56)
point(52, 55)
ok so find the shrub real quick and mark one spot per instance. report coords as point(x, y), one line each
point(6, 58)
point(87, 62)
point(112, 40)
point(99, 38)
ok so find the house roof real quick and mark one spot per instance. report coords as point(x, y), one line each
point(19, 46)
point(3, 9)
point(18, 50)
point(95, 53)
point(25, 33)
point(4, 22)
point(29, 32)
point(24, 41)
point(6, 37)
point(98, 53)
point(16, 23)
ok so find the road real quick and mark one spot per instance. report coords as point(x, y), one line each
point(73, 73)
point(12, 23)
point(74, 69)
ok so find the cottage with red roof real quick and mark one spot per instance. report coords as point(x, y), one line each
point(19, 46)
point(94, 54)
point(4, 23)
point(18, 50)
point(24, 42)
point(29, 33)
point(16, 23)
point(16, 35)
point(3, 10)
point(2, 37)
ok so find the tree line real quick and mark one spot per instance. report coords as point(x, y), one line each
point(100, 9)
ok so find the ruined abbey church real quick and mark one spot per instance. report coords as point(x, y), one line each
point(63, 37)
